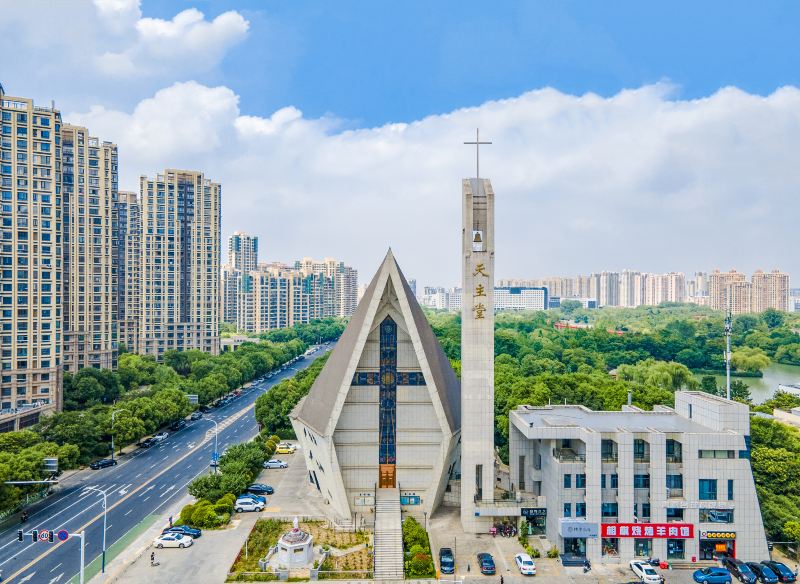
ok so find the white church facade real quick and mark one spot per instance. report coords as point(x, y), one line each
point(384, 412)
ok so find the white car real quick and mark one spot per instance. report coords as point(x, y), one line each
point(275, 463)
point(161, 436)
point(525, 565)
point(177, 540)
point(248, 504)
point(646, 572)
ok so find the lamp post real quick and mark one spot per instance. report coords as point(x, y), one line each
point(105, 508)
point(215, 456)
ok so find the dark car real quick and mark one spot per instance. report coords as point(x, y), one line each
point(739, 570)
point(763, 573)
point(183, 530)
point(486, 563)
point(204, 409)
point(260, 489)
point(196, 416)
point(102, 463)
point(780, 569)
point(177, 425)
point(147, 443)
point(447, 562)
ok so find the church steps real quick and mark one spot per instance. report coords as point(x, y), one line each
point(388, 535)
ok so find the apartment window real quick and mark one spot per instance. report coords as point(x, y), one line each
point(641, 481)
point(730, 489)
point(567, 481)
point(708, 489)
point(580, 509)
point(646, 510)
point(602, 481)
point(716, 515)
point(614, 481)
point(640, 451)
point(567, 509)
point(580, 481)
point(674, 514)
point(674, 481)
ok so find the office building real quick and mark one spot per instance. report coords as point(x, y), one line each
point(669, 483)
point(30, 260)
point(519, 298)
point(180, 274)
point(89, 287)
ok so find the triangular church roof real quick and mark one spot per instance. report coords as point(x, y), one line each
point(316, 408)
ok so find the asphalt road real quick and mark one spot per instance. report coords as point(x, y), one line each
point(142, 483)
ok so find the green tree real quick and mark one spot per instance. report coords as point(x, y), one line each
point(570, 306)
point(750, 359)
point(773, 318)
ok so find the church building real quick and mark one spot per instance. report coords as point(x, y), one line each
point(385, 412)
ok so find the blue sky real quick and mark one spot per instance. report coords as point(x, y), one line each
point(641, 135)
point(378, 62)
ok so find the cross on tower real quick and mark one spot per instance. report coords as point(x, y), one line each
point(477, 144)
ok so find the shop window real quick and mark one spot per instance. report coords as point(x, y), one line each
point(643, 548)
point(676, 549)
point(611, 546)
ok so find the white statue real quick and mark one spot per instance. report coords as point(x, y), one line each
point(296, 523)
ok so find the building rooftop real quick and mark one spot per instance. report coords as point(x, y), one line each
point(665, 420)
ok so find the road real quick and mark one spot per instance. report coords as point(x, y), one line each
point(142, 483)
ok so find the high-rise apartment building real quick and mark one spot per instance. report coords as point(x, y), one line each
point(127, 251)
point(180, 272)
point(89, 294)
point(729, 290)
point(243, 251)
point(770, 290)
point(30, 260)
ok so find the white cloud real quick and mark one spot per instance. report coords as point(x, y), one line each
point(639, 179)
point(188, 40)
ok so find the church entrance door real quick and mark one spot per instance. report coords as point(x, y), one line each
point(387, 476)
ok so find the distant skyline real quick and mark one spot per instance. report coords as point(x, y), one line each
point(624, 134)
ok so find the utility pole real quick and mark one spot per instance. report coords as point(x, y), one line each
point(728, 327)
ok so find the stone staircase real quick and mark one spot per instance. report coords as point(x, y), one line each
point(388, 535)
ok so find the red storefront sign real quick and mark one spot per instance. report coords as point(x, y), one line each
point(646, 530)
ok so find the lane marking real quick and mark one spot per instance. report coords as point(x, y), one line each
point(129, 512)
point(56, 567)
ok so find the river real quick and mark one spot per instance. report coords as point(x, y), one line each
point(762, 388)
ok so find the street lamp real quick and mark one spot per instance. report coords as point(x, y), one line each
point(215, 456)
point(105, 509)
point(114, 413)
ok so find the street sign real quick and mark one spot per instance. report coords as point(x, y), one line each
point(44, 535)
point(51, 465)
point(63, 535)
point(193, 398)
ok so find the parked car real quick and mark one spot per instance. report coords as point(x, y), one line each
point(259, 498)
point(781, 570)
point(645, 572)
point(275, 463)
point(486, 563)
point(147, 443)
point(102, 463)
point(184, 530)
point(204, 409)
point(712, 576)
point(525, 565)
point(447, 562)
point(173, 540)
point(161, 436)
point(763, 573)
point(177, 425)
point(260, 489)
point(739, 569)
point(248, 504)
point(284, 448)
point(196, 416)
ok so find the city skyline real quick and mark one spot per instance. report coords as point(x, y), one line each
point(641, 156)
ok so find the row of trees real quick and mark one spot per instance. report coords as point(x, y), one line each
point(417, 550)
point(273, 407)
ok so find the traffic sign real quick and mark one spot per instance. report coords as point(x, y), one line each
point(63, 535)
point(44, 535)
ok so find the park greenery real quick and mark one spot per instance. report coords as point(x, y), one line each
point(651, 352)
point(144, 395)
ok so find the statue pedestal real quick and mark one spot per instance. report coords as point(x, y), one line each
point(296, 549)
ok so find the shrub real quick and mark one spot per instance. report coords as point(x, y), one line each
point(205, 516)
point(186, 515)
point(207, 487)
point(552, 552)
